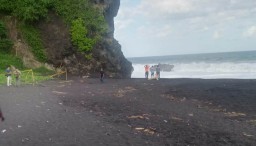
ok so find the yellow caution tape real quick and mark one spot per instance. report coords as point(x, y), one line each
point(30, 70)
point(60, 73)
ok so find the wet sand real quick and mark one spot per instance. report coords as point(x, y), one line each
point(167, 112)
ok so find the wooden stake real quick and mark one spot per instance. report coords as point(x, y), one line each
point(66, 74)
point(33, 77)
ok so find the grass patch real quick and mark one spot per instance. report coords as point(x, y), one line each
point(7, 59)
point(40, 74)
point(28, 77)
point(42, 71)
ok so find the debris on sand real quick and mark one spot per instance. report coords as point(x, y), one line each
point(66, 81)
point(143, 116)
point(247, 135)
point(122, 92)
point(177, 119)
point(183, 99)
point(128, 88)
point(136, 117)
point(139, 128)
point(191, 115)
point(234, 114)
point(219, 110)
point(199, 106)
point(57, 92)
point(24, 139)
point(60, 86)
point(168, 96)
point(171, 97)
point(253, 122)
point(148, 131)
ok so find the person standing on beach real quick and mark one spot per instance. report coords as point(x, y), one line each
point(158, 72)
point(17, 74)
point(101, 75)
point(1, 115)
point(8, 74)
point(152, 71)
point(146, 71)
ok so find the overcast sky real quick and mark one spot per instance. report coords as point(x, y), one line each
point(169, 27)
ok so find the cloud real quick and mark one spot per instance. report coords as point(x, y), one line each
point(217, 35)
point(196, 15)
point(205, 28)
point(185, 24)
point(122, 24)
point(164, 31)
point(125, 17)
point(209, 10)
point(250, 32)
point(154, 32)
point(167, 6)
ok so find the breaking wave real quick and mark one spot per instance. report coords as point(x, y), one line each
point(205, 70)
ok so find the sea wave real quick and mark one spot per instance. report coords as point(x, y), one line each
point(205, 70)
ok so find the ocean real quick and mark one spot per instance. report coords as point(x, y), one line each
point(236, 65)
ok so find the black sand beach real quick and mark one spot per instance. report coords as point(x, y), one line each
point(130, 112)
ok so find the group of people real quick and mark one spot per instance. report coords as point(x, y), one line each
point(152, 70)
point(11, 70)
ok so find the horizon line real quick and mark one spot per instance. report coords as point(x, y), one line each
point(192, 54)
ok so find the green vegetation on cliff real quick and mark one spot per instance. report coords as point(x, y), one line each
point(78, 31)
point(27, 10)
point(33, 39)
point(5, 43)
point(86, 23)
point(7, 59)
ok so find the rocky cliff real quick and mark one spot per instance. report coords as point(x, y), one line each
point(56, 39)
point(107, 53)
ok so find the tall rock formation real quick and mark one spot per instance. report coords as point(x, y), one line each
point(109, 51)
point(107, 54)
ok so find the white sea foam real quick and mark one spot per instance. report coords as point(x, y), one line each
point(205, 70)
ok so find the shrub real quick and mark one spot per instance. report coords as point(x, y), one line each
point(7, 59)
point(78, 36)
